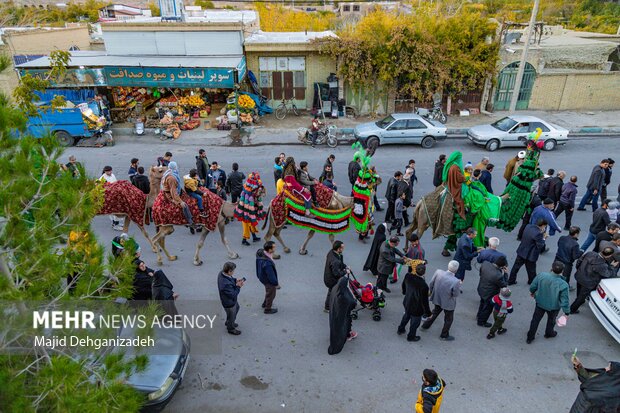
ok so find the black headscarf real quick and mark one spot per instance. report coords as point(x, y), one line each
point(162, 287)
point(603, 390)
point(375, 249)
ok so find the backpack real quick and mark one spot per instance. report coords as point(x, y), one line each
point(543, 188)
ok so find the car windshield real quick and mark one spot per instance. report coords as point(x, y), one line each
point(385, 122)
point(504, 124)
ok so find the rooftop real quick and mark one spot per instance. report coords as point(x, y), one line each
point(262, 37)
point(209, 16)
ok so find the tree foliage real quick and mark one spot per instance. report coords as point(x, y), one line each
point(205, 4)
point(12, 14)
point(154, 8)
point(275, 18)
point(416, 55)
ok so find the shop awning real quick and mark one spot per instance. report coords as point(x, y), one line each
point(150, 71)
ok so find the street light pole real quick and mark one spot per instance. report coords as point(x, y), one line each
point(526, 47)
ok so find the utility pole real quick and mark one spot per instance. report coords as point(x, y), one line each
point(526, 47)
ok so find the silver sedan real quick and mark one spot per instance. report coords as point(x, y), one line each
point(512, 131)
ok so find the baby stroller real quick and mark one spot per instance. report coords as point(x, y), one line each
point(368, 296)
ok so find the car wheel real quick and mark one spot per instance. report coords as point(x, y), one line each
point(372, 144)
point(428, 142)
point(64, 138)
point(549, 144)
point(492, 145)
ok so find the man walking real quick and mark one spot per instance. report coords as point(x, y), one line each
point(592, 267)
point(267, 275)
point(555, 187)
point(141, 181)
point(353, 170)
point(387, 262)
point(607, 179)
point(545, 212)
point(215, 175)
point(493, 277)
point(415, 302)
point(391, 194)
point(465, 252)
point(600, 220)
point(334, 270)
point(444, 287)
point(486, 177)
point(491, 253)
point(202, 166)
point(567, 201)
point(551, 294)
point(568, 252)
point(229, 288)
point(594, 186)
point(234, 183)
point(482, 165)
point(532, 244)
point(606, 235)
point(438, 171)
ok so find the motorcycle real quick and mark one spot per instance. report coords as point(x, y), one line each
point(104, 137)
point(325, 134)
point(435, 113)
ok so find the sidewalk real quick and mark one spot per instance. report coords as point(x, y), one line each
point(271, 131)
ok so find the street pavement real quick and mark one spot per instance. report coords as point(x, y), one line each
point(280, 363)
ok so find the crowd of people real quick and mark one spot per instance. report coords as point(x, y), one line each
point(553, 195)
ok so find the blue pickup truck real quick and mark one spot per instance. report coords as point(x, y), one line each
point(68, 125)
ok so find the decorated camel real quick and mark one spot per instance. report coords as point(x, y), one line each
point(332, 213)
point(462, 201)
point(171, 205)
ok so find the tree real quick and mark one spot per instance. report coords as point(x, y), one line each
point(205, 4)
point(155, 11)
point(275, 18)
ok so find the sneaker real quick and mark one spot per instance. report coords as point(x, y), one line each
point(117, 228)
point(529, 340)
point(414, 338)
point(571, 288)
point(271, 310)
point(445, 253)
point(553, 334)
point(575, 312)
point(263, 305)
point(581, 209)
point(234, 332)
point(352, 336)
point(326, 310)
point(393, 281)
point(485, 325)
point(245, 242)
point(447, 338)
point(192, 230)
point(387, 290)
point(502, 331)
point(399, 234)
point(491, 335)
point(400, 332)
point(255, 239)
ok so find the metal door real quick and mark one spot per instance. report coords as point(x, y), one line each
point(288, 85)
point(277, 85)
point(506, 83)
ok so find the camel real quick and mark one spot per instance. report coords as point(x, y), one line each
point(123, 199)
point(214, 204)
point(337, 202)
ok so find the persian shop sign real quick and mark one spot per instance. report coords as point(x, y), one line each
point(169, 77)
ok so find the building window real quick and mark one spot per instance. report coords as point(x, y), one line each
point(356, 7)
point(265, 79)
point(282, 77)
point(347, 8)
point(299, 79)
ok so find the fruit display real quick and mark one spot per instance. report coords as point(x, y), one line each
point(246, 102)
point(245, 117)
point(193, 100)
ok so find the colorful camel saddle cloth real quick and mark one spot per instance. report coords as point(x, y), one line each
point(287, 207)
point(323, 197)
point(361, 206)
point(121, 197)
point(167, 213)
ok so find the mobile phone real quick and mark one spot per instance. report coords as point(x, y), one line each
point(575, 353)
point(243, 279)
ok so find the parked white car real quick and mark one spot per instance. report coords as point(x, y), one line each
point(605, 304)
point(512, 131)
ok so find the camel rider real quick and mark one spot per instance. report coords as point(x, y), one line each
point(171, 186)
point(290, 179)
point(453, 177)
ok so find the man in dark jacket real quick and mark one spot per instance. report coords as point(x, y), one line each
point(535, 201)
point(592, 267)
point(141, 181)
point(606, 235)
point(567, 201)
point(493, 277)
point(543, 184)
point(532, 244)
point(164, 160)
point(229, 288)
point(594, 186)
point(234, 183)
point(387, 262)
point(545, 212)
point(607, 179)
point(391, 194)
point(353, 170)
point(267, 275)
point(215, 175)
point(402, 187)
point(465, 252)
point(568, 251)
point(415, 302)
point(202, 166)
point(555, 187)
point(486, 177)
point(600, 220)
point(438, 171)
point(335, 269)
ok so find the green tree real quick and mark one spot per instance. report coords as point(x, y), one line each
point(205, 4)
point(155, 11)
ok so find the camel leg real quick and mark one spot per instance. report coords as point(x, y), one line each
point(155, 242)
point(272, 231)
point(303, 250)
point(160, 238)
point(276, 234)
point(199, 244)
point(146, 235)
point(221, 226)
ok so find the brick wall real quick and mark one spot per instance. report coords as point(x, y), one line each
point(587, 91)
point(44, 41)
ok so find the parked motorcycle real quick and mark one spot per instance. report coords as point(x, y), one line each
point(325, 134)
point(435, 113)
point(104, 137)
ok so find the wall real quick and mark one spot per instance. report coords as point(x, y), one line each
point(44, 41)
point(576, 91)
point(8, 81)
point(372, 100)
point(318, 67)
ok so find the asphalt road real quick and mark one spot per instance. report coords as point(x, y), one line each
point(280, 362)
